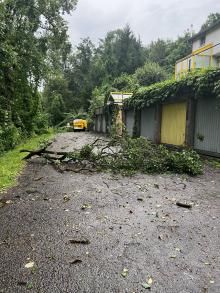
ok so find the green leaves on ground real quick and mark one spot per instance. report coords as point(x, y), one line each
point(128, 156)
point(124, 273)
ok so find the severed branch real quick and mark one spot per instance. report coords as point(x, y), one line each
point(71, 161)
point(43, 151)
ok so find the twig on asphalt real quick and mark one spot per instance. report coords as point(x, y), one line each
point(184, 205)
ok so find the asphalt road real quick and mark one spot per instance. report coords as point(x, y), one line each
point(102, 233)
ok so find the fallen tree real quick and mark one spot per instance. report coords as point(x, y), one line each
point(123, 155)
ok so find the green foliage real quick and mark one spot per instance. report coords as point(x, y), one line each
point(57, 109)
point(33, 38)
point(90, 67)
point(197, 84)
point(177, 49)
point(167, 52)
point(125, 83)
point(149, 74)
point(211, 20)
point(157, 52)
point(121, 52)
point(86, 152)
point(9, 137)
point(98, 100)
point(139, 155)
point(111, 66)
point(186, 161)
point(40, 123)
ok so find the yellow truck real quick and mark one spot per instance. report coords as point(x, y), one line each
point(79, 124)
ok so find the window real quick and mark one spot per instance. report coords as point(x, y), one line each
point(202, 41)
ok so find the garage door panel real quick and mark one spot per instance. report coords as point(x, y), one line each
point(129, 118)
point(173, 125)
point(207, 128)
point(148, 123)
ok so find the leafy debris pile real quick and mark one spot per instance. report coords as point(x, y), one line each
point(124, 155)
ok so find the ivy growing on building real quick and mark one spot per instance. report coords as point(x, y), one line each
point(197, 84)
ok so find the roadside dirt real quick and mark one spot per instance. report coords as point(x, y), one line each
point(83, 231)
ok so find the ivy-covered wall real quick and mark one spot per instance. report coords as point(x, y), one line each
point(197, 84)
point(192, 90)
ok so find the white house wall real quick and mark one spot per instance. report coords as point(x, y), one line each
point(211, 37)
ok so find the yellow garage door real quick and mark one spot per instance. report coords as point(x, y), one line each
point(173, 127)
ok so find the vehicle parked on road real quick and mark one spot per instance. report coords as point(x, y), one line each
point(79, 124)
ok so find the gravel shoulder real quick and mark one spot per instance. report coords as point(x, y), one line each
point(120, 222)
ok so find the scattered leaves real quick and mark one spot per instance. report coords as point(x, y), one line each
point(29, 285)
point(148, 284)
point(9, 202)
point(66, 198)
point(124, 273)
point(30, 265)
point(86, 206)
point(178, 249)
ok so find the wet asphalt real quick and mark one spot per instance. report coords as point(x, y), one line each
point(104, 233)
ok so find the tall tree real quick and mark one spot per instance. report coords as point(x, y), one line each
point(211, 20)
point(121, 52)
point(80, 73)
point(33, 38)
point(157, 52)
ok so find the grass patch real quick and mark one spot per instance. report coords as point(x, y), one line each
point(11, 163)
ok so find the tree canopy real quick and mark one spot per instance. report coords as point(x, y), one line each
point(44, 80)
point(34, 43)
point(211, 20)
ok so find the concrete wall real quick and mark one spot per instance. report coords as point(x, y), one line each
point(207, 125)
point(148, 123)
point(129, 121)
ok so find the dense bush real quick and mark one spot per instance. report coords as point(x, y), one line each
point(149, 74)
point(9, 137)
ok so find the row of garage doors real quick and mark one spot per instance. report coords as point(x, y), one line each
point(173, 125)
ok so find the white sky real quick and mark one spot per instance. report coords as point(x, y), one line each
point(148, 19)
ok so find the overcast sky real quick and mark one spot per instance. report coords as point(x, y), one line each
point(149, 19)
